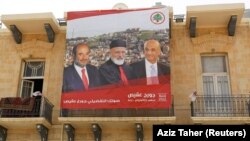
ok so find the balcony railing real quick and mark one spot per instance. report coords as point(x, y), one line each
point(221, 106)
point(41, 108)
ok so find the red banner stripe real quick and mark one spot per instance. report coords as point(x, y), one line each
point(150, 96)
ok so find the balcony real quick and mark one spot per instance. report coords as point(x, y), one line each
point(226, 109)
point(14, 115)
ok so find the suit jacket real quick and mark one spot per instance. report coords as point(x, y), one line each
point(110, 73)
point(73, 82)
point(139, 70)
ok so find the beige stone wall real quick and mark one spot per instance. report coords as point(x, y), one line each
point(239, 62)
point(10, 64)
point(186, 62)
point(185, 77)
point(32, 47)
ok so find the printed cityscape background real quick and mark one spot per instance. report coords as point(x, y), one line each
point(135, 39)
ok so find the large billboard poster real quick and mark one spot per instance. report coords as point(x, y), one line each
point(117, 59)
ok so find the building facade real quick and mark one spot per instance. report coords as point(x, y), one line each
point(209, 54)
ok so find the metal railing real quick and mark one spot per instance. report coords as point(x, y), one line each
point(42, 108)
point(221, 106)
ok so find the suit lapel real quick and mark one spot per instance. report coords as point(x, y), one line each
point(159, 69)
point(143, 68)
point(90, 73)
point(77, 77)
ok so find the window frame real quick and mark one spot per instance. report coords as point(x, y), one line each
point(215, 75)
point(217, 104)
point(25, 78)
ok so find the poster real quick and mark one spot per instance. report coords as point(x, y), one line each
point(121, 46)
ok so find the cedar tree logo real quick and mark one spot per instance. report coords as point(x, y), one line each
point(157, 18)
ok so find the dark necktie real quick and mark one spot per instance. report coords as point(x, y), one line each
point(85, 80)
point(123, 76)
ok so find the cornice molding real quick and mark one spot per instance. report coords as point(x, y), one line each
point(29, 49)
point(213, 39)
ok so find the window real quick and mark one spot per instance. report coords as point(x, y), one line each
point(216, 83)
point(215, 75)
point(32, 77)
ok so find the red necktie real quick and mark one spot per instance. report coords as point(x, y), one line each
point(123, 76)
point(85, 80)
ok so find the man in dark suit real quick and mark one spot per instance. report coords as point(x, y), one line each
point(115, 71)
point(150, 70)
point(80, 75)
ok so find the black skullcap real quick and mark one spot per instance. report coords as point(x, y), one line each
point(117, 43)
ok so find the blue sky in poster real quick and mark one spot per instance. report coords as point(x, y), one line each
point(106, 24)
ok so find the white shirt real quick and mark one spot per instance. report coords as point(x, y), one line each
point(193, 96)
point(151, 78)
point(79, 71)
point(148, 68)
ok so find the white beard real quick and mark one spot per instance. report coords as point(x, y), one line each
point(118, 61)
